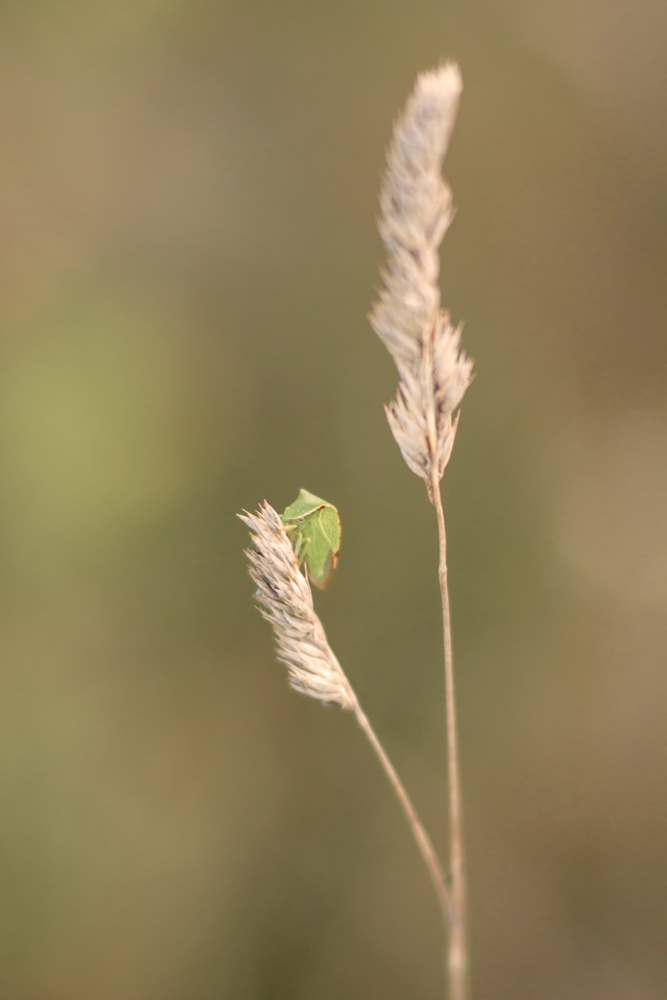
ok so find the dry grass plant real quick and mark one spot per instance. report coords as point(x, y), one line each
point(286, 601)
point(434, 374)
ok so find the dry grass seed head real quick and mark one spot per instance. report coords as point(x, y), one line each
point(415, 205)
point(286, 601)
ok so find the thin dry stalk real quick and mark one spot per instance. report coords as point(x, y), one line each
point(458, 944)
point(286, 601)
point(433, 374)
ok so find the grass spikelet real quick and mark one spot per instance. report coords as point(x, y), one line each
point(416, 211)
point(286, 601)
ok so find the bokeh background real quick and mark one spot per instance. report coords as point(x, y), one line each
point(187, 256)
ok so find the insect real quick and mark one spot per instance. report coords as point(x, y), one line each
point(313, 527)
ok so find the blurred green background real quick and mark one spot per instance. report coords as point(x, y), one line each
point(187, 207)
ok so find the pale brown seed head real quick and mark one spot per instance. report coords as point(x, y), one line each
point(415, 205)
point(285, 600)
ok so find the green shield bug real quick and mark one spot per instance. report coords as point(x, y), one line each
point(313, 527)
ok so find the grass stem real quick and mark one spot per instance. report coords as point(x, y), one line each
point(423, 840)
point(457, 960)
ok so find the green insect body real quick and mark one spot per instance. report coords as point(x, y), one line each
point(313, 526)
